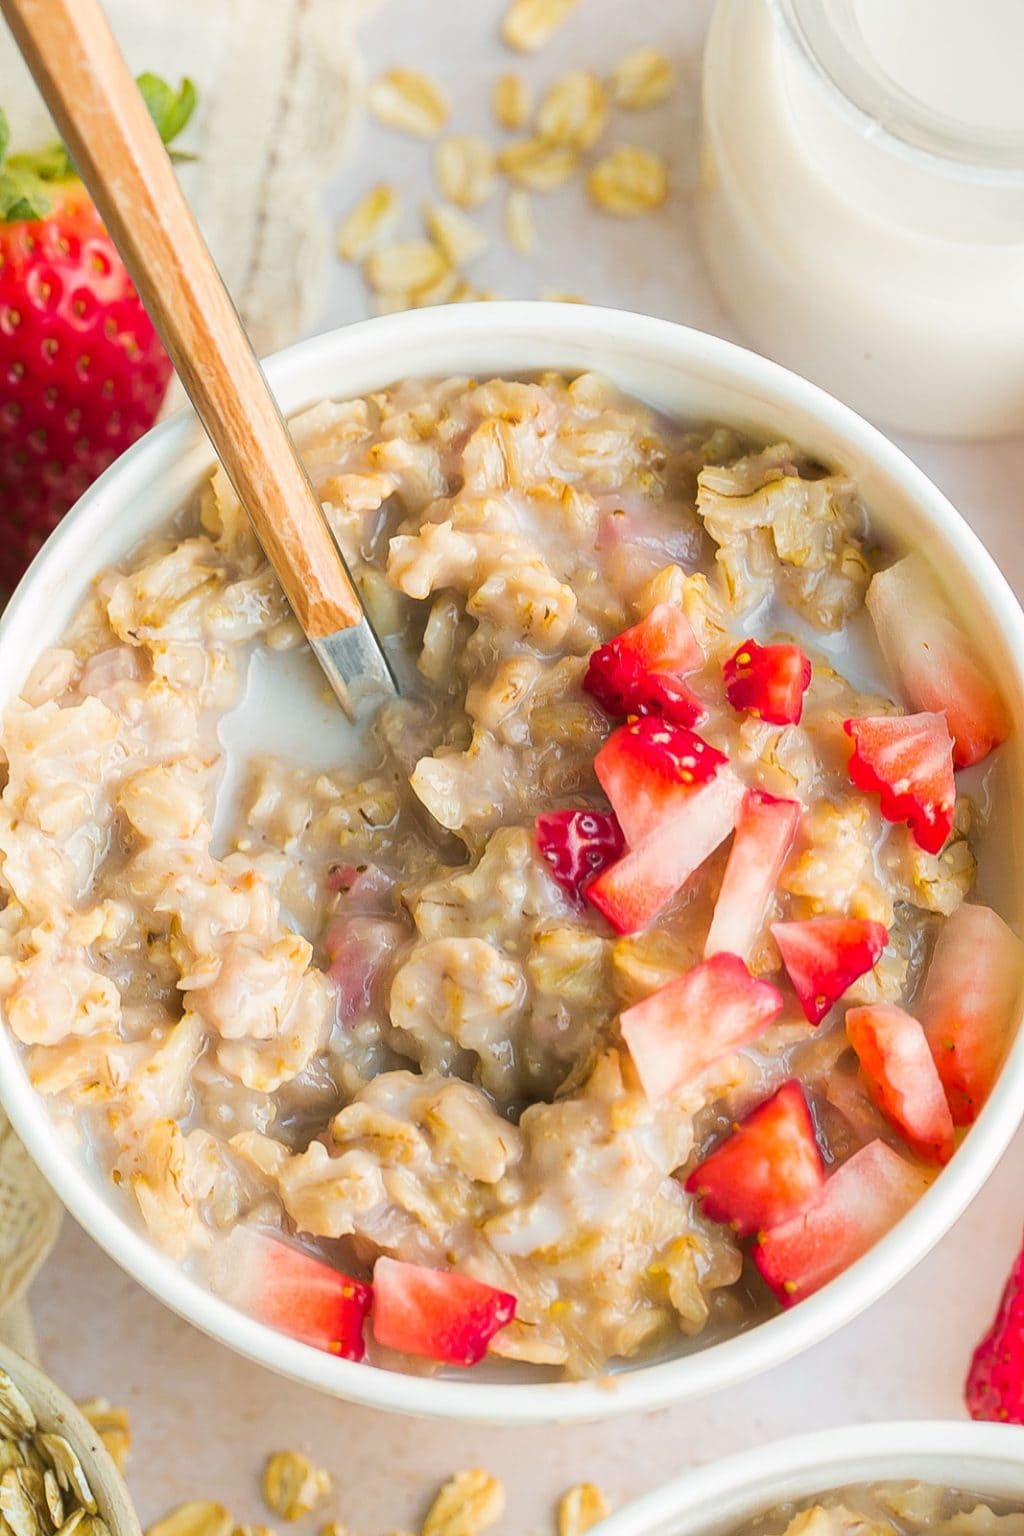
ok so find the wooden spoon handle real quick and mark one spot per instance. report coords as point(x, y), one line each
point(79, 68)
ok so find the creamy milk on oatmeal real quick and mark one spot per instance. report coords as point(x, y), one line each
point(624, 979)
point(892, 1509)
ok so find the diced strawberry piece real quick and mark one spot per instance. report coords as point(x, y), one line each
point(436, 1312)
point(859, 1204)
point(825, 955)
point(907, 760)
point(995, 1382)
point(764, 836)
point(648, 768)
point(289, 1290)
point(358, 950)
point(577, 845)
point(894, 1055)
point(685, 1027)
point(937, 667)
point(631, 892)
point(360, 887)
point(768, 681)
point(970, 1003)
point(768, 1171)
point(640, 672)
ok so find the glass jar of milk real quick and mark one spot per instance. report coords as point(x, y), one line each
point(862, 200)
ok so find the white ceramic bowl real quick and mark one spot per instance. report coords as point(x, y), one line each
point(712, 1501)
point(689, 374)
point(56, 1413)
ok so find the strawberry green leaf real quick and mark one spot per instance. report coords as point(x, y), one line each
point(20, 198)
point(170, 109)
point(5, 134)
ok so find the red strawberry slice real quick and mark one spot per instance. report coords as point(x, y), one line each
point(894, 1055)
point(290, 1290)
point(436, 1312)
point(359, 951)
point(764, 836)
point(825, 955)
point(995, 1382)
point(640, 672)
point(907, 760)
point(970, 1003)
point(681, 1030)
point(937, 667)
point(768, 1171)
point(768, 681)
point(649, 768)
point(631, 892)
point(859, 1204)
point(577, 845)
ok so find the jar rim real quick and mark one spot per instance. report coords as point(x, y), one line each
point(829, 34)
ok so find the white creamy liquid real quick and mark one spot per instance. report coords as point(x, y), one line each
point(891, 275)
point(961, 57)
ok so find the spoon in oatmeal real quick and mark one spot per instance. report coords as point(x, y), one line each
point(98, 110)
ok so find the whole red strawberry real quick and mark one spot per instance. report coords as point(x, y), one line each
point(82, 373)
point(995, 1382)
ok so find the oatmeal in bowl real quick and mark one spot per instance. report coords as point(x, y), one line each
point(613, 991)
point(902, 1479)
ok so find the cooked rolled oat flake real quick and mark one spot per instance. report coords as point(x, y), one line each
point(629, 181)
point(528, 24)
point(510, 101)
point(580, 1508)
point(642, 78)
point(470, 1502)
point(410, 101)
point(372, 217)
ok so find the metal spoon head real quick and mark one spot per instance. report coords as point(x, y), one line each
point(354, 664)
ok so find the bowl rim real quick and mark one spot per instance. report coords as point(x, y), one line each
point(773, 1472)
point(294, 374)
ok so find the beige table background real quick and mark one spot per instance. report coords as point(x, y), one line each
point(204, 1419)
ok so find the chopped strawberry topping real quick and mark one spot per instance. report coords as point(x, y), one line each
point(358, 950)
point(933, 659)
point(640, 672)
point(764, 836)
point(864, 1198)
point(577, 845)
point(995, 1382)
point(825, 955)
point(894, 1055)
point(436, 1312)
point(970, 1002)
point(768, 681)
point(360, 887)
point(907, 760)
point(632, 891)
point(648, 768)
point(768, 1171)
point(681, 1030)
point(291, 1291)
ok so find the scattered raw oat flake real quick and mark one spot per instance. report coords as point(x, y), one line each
point(642, 78)
point(454, 233)
point(510, 101)
point(537, 163)
point(520, 231)
point(406, 266)
point(113, 1427)
point(373, 217)
point(464, 166)
point(292, 1485)
point(580, 1508)
point(199, 1517)
point(470, 1502)
point(409, 101)
point(528, 24)
point(574, 110)
point(628, 181)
